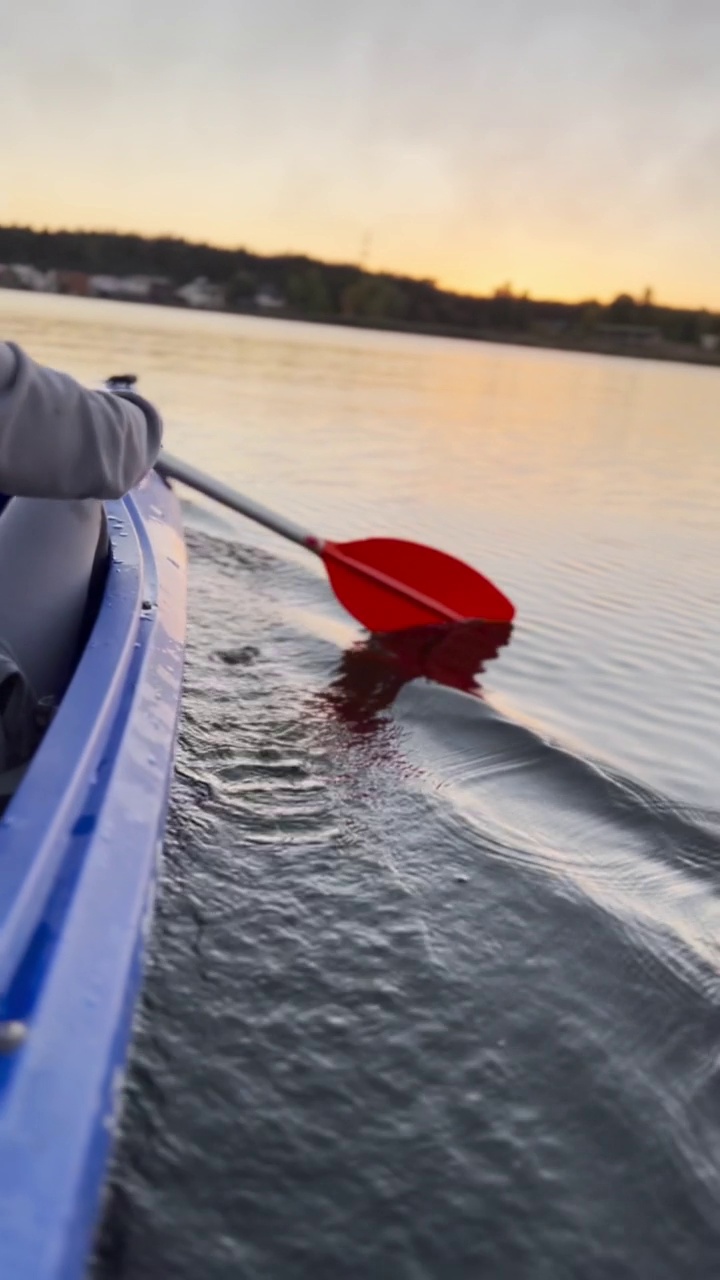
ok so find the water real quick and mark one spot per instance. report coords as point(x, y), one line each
point(434, 981)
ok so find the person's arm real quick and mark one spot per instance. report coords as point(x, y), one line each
point(59, 440)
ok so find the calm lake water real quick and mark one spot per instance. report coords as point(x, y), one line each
point(434, 989)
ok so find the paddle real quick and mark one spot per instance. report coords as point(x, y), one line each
point(387, 584)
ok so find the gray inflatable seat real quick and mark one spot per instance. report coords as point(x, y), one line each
point(48, 550)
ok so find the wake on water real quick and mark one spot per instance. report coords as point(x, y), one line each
point(389, 899)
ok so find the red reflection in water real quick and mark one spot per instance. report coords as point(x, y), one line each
point(372, 674)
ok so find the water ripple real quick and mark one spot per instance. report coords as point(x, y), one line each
point(434, 991)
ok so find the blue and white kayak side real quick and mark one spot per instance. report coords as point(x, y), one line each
point(79, 849)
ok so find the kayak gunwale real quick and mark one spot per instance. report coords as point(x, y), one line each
point(79, 850)
point(53, 793)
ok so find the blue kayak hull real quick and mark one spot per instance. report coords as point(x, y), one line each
point(80, 844)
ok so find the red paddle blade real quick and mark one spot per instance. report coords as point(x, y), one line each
point(389, 584)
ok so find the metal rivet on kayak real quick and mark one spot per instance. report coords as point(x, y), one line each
point(12, 1035)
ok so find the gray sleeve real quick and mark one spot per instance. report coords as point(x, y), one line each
point(59, 440)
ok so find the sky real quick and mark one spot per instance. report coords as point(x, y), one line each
point(568, 147)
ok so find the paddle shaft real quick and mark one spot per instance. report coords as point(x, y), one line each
point(168, 465)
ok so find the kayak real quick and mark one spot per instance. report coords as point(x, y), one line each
point(80, 843)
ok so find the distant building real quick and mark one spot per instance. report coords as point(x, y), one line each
point(19, 275)
point(269, 298)
point(105, 286)
point(202, 293)
point(710, 341)
point(136, 288)
point(76, 283)
point(140, 287)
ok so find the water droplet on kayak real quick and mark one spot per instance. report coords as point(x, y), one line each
point(12, 1035)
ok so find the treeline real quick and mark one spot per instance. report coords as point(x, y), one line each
point(305, 286)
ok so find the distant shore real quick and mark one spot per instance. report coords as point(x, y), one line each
point(677, 352)
point(167, 271)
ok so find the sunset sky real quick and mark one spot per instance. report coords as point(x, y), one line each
point(571, 147)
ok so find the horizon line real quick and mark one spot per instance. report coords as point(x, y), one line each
point(332, 262)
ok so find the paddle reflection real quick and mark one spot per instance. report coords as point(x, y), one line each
point(371, 674)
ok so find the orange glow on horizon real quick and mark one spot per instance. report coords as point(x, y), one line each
point(569, 150)
point(540, 279)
